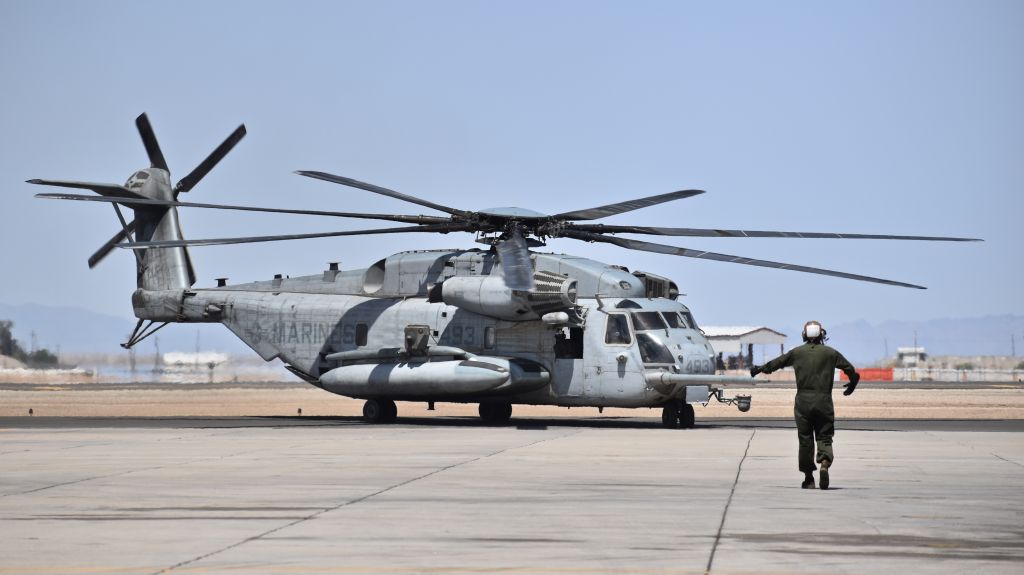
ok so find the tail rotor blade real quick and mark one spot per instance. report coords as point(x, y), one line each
point(156, 157)
point(189, 181)
point(108, 247)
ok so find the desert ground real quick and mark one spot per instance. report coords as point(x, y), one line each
point(283, 398)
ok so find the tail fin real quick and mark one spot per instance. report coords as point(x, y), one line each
point(159, 268)
point(163, 268)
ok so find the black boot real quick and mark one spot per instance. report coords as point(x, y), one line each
point(825, 464)
point(808, 481)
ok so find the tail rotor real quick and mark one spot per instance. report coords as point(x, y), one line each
point(151, 183)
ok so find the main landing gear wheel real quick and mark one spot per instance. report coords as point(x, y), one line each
point(677, 414)
point(380, 411)
point(495, 412)
point(687, 419)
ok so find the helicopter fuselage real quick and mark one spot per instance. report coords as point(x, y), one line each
point(432, 326)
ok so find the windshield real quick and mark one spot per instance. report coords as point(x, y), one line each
point(675, 321)
point(689, 319)
point(652, 350)
point(648, 320)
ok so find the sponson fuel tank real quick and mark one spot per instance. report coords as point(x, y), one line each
point(467, 377)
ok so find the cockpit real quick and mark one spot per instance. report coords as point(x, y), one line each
point(655, 331)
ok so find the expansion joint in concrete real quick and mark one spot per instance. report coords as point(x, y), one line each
point(728, 502)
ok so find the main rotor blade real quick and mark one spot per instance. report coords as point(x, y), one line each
point(188, 182)
point(699, 254)
point(515, 262)
point(379, 190)
point(627, 206)
point(108, 190)
point(702, 232)
point(108, 247)
point(173, 204)
point(156, 157)
point(443, 229)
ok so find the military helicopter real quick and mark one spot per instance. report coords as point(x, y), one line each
point(498, 326)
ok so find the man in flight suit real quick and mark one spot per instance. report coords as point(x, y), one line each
point(815, 364)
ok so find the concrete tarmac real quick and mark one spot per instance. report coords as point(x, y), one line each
point(332, 495)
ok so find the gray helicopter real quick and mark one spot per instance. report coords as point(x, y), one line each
point(498, 326)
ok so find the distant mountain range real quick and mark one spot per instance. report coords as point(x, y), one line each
point(77, 330)
point(865, 343)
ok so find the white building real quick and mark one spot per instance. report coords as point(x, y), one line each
point(730, 340)
point(910, 356)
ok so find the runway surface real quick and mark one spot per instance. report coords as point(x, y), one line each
point(1007, 425)
point(448, 495)
point(295, 384)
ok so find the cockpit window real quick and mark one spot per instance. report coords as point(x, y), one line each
point(674, 320)
point(648, 320)
point(689, 319)
point(616, 331)
point(652, 350)
point(142, 175)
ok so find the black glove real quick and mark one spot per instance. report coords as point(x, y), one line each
point(849, 387)
point(756, 369)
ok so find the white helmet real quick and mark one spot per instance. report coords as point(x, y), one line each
point(813, 331)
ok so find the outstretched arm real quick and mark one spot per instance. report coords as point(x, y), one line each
point(784, 360)
point(847, 367)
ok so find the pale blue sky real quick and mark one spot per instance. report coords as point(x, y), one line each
point(874, 117)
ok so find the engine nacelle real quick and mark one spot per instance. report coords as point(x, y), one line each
point(488, 295)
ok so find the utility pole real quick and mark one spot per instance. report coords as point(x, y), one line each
point(156, 354)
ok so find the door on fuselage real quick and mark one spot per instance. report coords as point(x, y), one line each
point(567, 379)
point(609, 358)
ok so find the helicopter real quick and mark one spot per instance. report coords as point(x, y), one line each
point(499, 326)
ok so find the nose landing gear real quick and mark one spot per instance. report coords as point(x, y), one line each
point(677, 414)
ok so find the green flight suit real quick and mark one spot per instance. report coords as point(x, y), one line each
point(815, 365)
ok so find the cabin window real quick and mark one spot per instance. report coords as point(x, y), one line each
point(490, 338)
point(648, 320)
point(616, 331)
point(652, 350)
point(362, 331)
point(674, 320)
